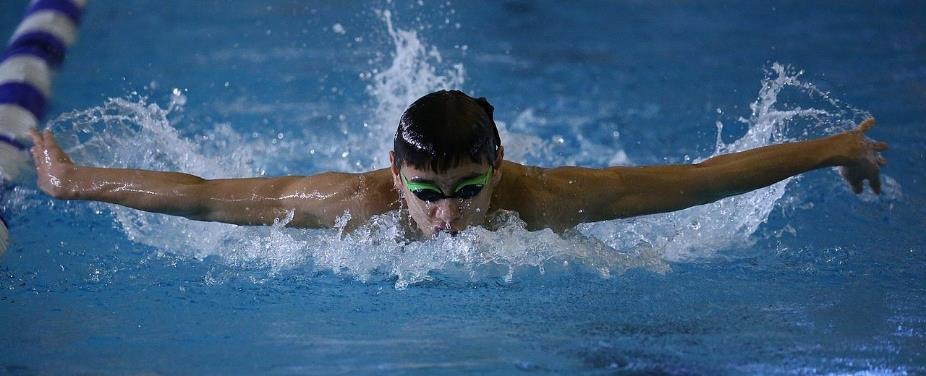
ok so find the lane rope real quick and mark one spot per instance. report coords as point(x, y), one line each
point(37, 47)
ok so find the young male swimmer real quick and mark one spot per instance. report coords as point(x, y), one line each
point(448, 172)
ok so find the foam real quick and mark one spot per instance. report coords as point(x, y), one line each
point(131, 132)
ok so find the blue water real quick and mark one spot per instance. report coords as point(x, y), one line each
point(800, 278)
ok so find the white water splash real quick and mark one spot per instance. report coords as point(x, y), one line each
point(701, 231)
point(128, 132)
point(524, 146)
point(412, 73)
point(136, 134)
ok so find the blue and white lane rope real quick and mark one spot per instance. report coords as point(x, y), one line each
point(36, 49)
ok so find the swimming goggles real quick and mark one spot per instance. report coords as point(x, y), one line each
point(466, 189)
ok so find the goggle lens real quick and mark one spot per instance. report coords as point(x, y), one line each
point(468, 191)
point(465, 190)
point(428, 195)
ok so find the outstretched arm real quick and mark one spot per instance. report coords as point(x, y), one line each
point(572, 195)
point(317, 200)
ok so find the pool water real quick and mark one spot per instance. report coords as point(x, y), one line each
point(803, 277)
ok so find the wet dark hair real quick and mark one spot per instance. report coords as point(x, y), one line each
point(440, 129)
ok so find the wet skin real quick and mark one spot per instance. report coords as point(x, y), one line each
point(449, 214)
point(556, 198)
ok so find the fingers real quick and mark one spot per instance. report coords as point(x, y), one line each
point(875, 184)
point(38, 141)
point(50, 140)
point(866, 125)
point(36, 137)
point(45, 149)
point(857, 182)
point(55, 151)
point(38, 144)
point(879, 146)
point(857, 186)
point(882, 161)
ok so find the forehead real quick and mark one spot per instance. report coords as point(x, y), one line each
point(463, 170)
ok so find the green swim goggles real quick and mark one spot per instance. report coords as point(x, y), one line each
point(466, 189)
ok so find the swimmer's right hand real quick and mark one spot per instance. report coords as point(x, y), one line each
point(53, 166)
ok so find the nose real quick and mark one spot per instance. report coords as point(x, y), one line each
point(447, 210)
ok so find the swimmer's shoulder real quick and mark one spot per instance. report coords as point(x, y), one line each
point(364, 194)
point(544, 197)
point(377, 191)
point(519, 189)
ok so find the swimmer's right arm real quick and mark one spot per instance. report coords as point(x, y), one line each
point(316, 201)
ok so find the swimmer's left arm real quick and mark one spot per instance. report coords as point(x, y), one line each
point(573, 195)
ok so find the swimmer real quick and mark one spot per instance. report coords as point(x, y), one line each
point(447, 172)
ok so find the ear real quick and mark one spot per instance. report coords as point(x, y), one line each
point(499, 157)
point(395, 170)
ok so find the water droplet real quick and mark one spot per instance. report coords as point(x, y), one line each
point(695, 225)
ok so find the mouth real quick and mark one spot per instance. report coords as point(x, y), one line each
point(445, 228)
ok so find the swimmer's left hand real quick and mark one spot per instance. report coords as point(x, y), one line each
point(859, 157)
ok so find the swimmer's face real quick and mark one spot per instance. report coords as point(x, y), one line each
point(451, 214)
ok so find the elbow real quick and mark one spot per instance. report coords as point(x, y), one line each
point(703, 183)
point(194, 200)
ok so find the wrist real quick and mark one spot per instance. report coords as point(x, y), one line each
point(835, 150)
point(64, 183)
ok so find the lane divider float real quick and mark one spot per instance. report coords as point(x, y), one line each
point(36, 49)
